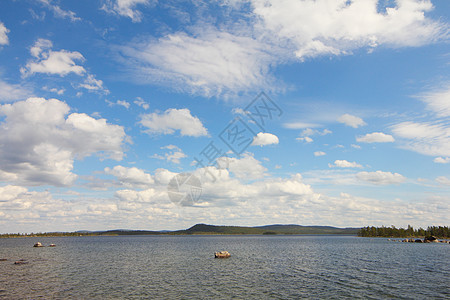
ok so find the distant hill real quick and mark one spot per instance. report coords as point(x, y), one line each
point(205, 229)
point(267, 229)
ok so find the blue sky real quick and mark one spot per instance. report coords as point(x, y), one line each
point(103, 103)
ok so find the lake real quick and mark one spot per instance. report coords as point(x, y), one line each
point(261, 267)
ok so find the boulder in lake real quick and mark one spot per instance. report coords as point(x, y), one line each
point(222, 254)
point(38, 244)
point(430, 239)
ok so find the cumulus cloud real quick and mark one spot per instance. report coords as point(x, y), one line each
point(173, 155)
point(125, 8)
point(319, 153)
point(92, 84)
point(38, 143)
point(173, 120)
point(209, 63)
point(3, 34)
point(427, 138)
point(305, 139)
point(311, 132)
point(131, 177)
point(141, 103)
point(264, 138)
point(246, 167)
point(344, 164)
point(323, 27)
point(119, 103)
point(52, 62)
point(381, 178)
point(54, 90)
point(27, 211)
point(351, 121)
point(225, 201)
point(59, 12)
point(375, 137)
point(305, 135)
point(442, 160)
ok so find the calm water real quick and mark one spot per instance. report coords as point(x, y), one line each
point(261, 267)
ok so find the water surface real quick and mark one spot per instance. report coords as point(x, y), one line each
point(261, 267)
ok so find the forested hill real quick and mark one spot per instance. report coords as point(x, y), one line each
point(207, 229)
point(268, 229)
point(437, 231)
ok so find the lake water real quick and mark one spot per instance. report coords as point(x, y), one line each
point(261, 267)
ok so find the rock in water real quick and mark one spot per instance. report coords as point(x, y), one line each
point(222, 254)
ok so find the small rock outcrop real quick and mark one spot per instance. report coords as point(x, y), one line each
point(38, 244)
point(430, 239)
point(21, 262)
point(222, 254)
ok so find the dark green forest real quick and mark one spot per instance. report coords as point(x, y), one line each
point(437, 231)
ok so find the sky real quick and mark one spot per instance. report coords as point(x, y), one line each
point(157, 115)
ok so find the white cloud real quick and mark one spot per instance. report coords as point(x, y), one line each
point(172, 120)
point(300, 125)
point(230, 59)
point(92, 84)
point(60, 13)
point(123, 103)
point(52, 62)
point(39, 144)
point(381, 178)
point(442, 160)
point(140, 102)
point(306, 134)
point(3, 34)
point(375, 137)
point(131, 177)
point(118, 102)
point(264, 138)
point(427, 138)
point(319, 153)
point(246, 167)
point(54, 90)
point(344, 164)
point(438, 102)
point(209, 63)
point(11, 92)
point(443, 180)
point(238, 111)
point(355, 146)
point(305, 139)
point(323, 27)
point(311, 132)
point(125, 8)
point(351, 121)
point(173, 155)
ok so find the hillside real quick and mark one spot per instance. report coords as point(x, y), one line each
point(205, 229)
point(267, 229)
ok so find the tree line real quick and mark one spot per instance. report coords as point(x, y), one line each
point(372, 231)
point(43, 234)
